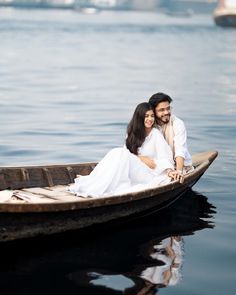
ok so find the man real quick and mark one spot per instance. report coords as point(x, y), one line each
point(174, 132)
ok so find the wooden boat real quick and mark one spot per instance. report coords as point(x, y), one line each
point(225, 13)
point(35, 201)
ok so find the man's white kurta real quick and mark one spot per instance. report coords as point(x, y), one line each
point(180, 148)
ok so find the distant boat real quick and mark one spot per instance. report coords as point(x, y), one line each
point(225, 13)
point(185, 13)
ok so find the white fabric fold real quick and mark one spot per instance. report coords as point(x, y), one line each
point(121, 172)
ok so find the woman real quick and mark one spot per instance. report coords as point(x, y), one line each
point(122, 170)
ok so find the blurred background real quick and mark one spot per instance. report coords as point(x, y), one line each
point(203, 6)
point(71, 74)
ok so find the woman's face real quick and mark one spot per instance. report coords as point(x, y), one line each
point(149, 119)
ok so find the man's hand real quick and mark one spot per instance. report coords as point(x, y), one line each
point(176, 175)
point(148, 161)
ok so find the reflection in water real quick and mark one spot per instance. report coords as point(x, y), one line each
point(169, 252)
point(135, 258)
point(164, 270)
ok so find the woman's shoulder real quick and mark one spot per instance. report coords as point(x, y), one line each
point(156, 132)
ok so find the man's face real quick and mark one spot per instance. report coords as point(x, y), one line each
point(163, 112)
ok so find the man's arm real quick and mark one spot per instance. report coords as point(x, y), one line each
point(180, 142)
point(175, 175)
point(179, 163)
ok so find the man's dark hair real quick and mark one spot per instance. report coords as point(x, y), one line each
point(158, 97)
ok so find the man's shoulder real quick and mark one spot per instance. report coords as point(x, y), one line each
point(177, 121)
point(174, 118)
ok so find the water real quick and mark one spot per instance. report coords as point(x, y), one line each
point(68, 86)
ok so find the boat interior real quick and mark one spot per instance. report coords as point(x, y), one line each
point(47, 184)
point(57, 193)
point(40, 184)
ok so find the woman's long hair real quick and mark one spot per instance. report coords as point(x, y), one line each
point(136, 132)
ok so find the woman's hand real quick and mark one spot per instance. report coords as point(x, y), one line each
point(148, 161)
point(176, 175)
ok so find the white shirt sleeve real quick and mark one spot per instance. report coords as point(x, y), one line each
point(180, 138)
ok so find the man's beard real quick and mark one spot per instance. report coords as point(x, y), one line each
point(163, 120)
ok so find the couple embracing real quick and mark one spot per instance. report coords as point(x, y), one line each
point(155, 153)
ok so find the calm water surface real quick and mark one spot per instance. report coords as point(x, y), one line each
point(68, 86)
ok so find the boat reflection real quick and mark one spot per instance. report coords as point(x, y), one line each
point(169, 254)
point(163, 268)
point(136, 258)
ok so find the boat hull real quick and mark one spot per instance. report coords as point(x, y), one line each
point(18, 221)
point(31, 224)
point(225, 20)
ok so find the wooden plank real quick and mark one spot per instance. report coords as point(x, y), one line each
point(48, 176)
point(3, 184)
point(5, 195)
point(57, 193)
point(38, 195)
point(71, 173)
point(25, 174)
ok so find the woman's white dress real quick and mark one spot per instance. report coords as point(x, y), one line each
point(121, 172)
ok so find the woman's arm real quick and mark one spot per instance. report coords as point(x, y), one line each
point(148, 161)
